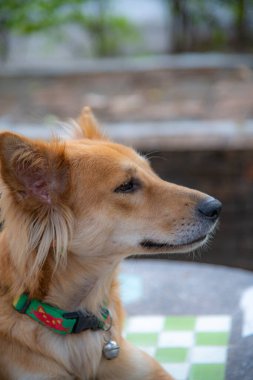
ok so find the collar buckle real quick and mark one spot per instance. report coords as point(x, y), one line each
point(84, 321)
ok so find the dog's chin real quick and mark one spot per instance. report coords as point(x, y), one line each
point(164, 247)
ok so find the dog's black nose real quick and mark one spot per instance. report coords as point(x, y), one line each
point(210, 208)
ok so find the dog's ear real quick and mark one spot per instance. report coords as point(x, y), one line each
point(33, 171)
point(88, 126)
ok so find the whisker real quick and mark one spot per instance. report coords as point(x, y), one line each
point(147, 155)
point(165, 159)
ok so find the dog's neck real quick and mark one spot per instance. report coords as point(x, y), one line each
point(83, 283)
point(86, 283)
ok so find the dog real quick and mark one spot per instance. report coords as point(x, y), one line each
point(72, 211)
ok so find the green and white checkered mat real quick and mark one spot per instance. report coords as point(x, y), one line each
point(189, 347)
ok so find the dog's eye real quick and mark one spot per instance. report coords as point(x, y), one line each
point(128, 187)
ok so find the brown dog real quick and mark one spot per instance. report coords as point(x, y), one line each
point(72, 211)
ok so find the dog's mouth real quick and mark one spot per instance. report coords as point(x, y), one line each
point(191, 245)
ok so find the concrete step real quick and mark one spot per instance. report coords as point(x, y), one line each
point(172, 135)
point(184, 61)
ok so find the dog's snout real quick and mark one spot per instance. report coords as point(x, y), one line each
point(210, 208)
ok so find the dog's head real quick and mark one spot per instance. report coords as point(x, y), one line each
point(96, 198)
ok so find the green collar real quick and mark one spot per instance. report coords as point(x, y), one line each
point(61, 321)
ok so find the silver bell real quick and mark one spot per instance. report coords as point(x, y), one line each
point(111, 350)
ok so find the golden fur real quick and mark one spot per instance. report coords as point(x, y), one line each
point(65, 232)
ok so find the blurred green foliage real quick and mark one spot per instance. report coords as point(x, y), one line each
point(197, 25)
point(108, 32)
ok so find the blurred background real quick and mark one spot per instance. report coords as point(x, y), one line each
point(172, 78)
